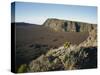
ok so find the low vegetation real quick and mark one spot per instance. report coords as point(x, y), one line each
point(67, 44)
point(22, 68)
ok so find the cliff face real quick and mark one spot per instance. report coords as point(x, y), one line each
point(69, 26)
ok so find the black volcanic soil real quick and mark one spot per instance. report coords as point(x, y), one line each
point(34, 40)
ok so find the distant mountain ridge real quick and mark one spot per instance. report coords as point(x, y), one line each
point(69, 26)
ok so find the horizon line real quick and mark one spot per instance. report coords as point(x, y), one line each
point(54, 18)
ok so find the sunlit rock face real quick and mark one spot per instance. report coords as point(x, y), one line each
point(69, 26)
point(91, 40)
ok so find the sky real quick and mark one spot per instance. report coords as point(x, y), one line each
point(37, 13)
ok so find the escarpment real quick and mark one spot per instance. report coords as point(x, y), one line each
point(68, 26)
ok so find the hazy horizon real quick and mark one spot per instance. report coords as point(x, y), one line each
point(37, 13)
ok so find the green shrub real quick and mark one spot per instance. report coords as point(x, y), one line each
point(22, 68)
point(67, 44)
